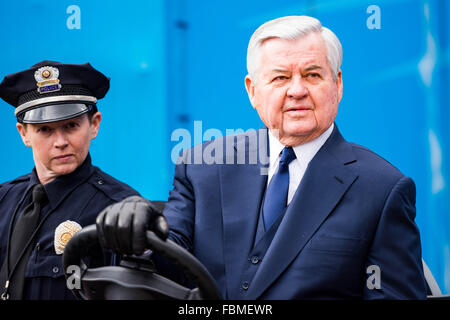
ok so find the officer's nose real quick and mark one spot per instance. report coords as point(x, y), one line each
point(297, 89)
point(60, 139)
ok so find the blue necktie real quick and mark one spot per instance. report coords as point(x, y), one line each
point(277, 191)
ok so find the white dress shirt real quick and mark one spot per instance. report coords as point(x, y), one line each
point(304, 153)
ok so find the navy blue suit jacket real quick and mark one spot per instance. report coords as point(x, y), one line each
point(351, 211)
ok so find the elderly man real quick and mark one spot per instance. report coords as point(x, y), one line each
point(57, 117)
point(329, 220)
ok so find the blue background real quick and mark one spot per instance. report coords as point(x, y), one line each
point(174, 62)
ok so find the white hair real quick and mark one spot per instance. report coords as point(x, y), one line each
point(293, 28)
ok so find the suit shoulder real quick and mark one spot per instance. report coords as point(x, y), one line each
point(239, 135)
point(234, 138)
point(110, 186)
point(374, 163)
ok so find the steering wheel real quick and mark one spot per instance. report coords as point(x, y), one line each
point(135, 279)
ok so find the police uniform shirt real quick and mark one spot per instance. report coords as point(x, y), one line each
point(79, 196)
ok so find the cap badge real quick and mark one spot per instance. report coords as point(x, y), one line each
point(47, 79)
point(63, 233)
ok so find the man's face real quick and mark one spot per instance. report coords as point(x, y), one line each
point(59, 147)
point(295, 93)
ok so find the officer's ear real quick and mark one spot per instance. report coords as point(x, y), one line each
point(21, 127)
point(95, 124)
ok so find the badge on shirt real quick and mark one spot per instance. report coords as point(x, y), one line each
point(63, 233)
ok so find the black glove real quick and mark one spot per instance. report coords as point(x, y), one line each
point(122, 226)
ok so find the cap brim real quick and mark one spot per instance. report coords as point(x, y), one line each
point(54, 112)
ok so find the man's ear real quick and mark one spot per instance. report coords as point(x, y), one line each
point(250, 87)
point(95, 124)
point(23, 133)
point(340, 85)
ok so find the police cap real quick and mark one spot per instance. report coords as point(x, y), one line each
point(52, 91)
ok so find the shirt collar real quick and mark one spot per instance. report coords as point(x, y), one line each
point(59, 188)
point(304, 152)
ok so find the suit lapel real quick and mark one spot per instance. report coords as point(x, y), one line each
point(242, 187)
point(326, 180)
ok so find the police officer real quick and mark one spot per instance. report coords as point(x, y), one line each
point(39, 212)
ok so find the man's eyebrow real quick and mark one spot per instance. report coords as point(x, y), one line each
point(313, 67)
point(310, 68)
point(277, 70)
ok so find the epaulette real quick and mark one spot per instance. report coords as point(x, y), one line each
point(4, 187)
point(23, 178)
point(111, 187)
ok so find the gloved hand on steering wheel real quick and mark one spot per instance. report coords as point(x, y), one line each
point(122, 226)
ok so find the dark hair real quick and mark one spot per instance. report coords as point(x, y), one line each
point(91, 112)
